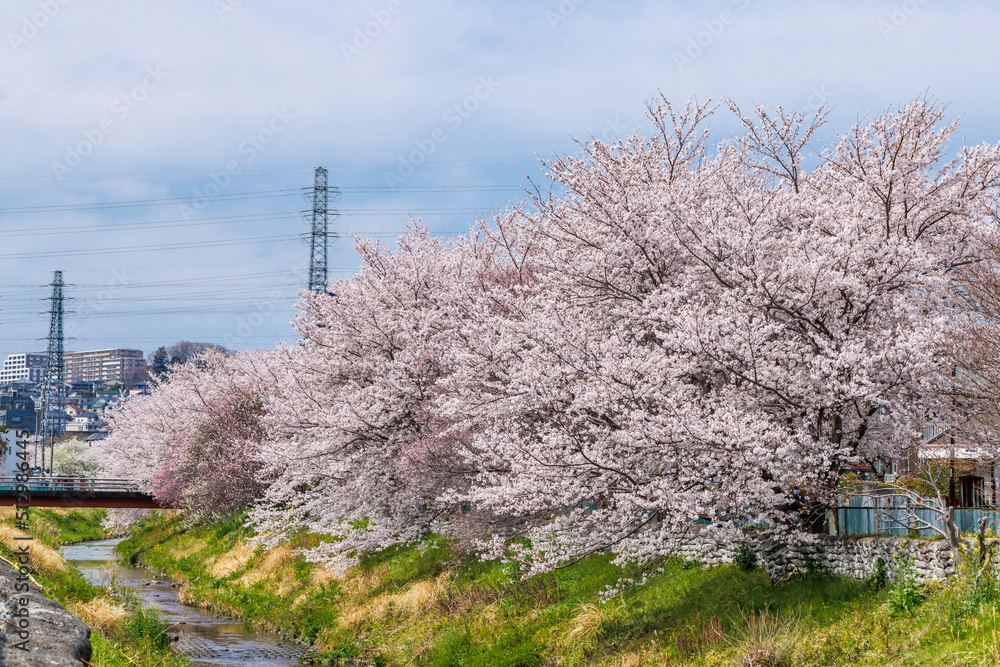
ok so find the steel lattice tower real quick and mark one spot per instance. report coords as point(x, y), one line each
point(320, 234)
point(55, 371)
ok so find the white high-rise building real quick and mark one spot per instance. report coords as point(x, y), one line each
point(25, 367)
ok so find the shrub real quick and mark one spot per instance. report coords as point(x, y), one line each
point(745, 557)
point(906, 594)
point(879, 575)
point(763, 641)
point(146, 627)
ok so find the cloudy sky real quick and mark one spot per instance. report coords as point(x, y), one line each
point(156, 152)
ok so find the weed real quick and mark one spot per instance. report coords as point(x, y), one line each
point(700, 637)
point(340, 655)
point(146, 627)
point(541, 590)
point(513, 648)
point(745, 557)
point(762, 639)
point(879, 576)
point(591, 619)
point(816, 570)
point(987, 652)
point(906, 594)
point(101, 614)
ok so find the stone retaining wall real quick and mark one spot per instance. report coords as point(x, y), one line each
point(57, 638)
point(852, 557)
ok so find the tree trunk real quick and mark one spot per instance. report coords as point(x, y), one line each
point(982, 541)
point(954, 538)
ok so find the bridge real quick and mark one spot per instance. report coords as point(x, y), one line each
point(69, 492)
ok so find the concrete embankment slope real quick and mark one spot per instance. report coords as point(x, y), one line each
point(52, 636)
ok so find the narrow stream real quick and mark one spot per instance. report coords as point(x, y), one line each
point(204, 638)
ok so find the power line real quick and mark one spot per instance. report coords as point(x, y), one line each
point(153, 224)
point(208, 173)
point(209, 280)
point(224, 220)
point(149, 248)
point(131, 203)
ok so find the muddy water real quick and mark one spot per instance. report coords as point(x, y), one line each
point(204, 638)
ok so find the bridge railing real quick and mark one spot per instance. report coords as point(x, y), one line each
point(70, 483)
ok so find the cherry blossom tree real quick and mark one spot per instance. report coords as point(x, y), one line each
point(722, 326)
point(371, 454)
point(195, 442)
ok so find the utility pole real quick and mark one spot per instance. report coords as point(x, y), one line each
point(318, 238)
point(55, 372)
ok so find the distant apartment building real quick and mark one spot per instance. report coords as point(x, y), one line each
point(26, 367)
point(105, 366)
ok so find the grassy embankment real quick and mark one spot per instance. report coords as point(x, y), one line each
point(427, 605)
point(124, 633)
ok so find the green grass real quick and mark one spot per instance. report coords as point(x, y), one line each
point(475, 614)
point(80, 525)
point(57, 528)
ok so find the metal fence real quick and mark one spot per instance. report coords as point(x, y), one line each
point(872, 515)
point(69, 483)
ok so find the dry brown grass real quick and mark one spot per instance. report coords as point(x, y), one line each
point(352, 617)
point(630, 660)
point(380, 608)
point(187, 548)
point(376, 611)
point(43, 558)
point(764, 641)
point(250, 577)
point(101, 615)
point(289, 582)
point(275, 559)
point(320, 576)
point(184, 595)
point(590, 619)
point(356, 583)
point(416, 598)
point(229, 562)
point(419, 598)
point(422, 595)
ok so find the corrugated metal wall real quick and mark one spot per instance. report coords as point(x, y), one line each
point(872, 515)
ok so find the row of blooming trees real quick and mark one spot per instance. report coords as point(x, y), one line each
point(676, 331)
